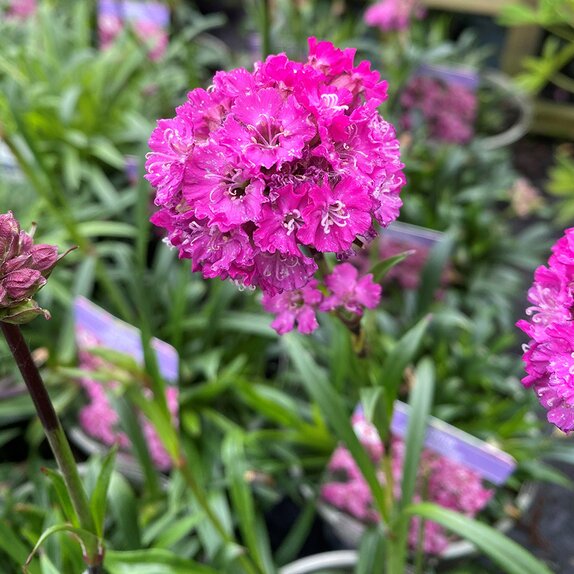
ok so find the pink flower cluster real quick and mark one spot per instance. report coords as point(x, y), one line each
point(156, 38)
point(448, 110)
point(549, 355)
point(444, 482)
point(22, 9)
point(100, 421)
point(24, 269)
point(393, 14)
point(345, 291)
point(267, 169)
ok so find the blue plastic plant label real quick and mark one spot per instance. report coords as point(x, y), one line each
point(454, 76)
point(412, 235)
point(95, 327)
point(133, 11)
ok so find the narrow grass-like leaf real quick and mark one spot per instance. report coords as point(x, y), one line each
point(242, 499)
point(371, 552)
point(85, 538)
point(296, 536)
point(335, 413)
point(124, 509)
point(131, 426)
point(432, 272)
point(398, 359)
point(420, 403)
point(15, 548)
point(99, 497)
point(63, 496)
point(381, 269)
point(511, 557)
point(153, 561)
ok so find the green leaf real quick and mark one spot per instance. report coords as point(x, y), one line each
point(15, 548)
point(131, 426)
point(543, 472)
point(63, 496)
point(154, 561)
point(98, 500)
point(124, 509)
point(381, 269)
point(432, 272)
point(511, 557)
point(106, 229)
point(297, 535)
point(233, 455)
point(103, 149)
point(85, 538)
point(371, 552)
point(421, 403)
point(334, 411)
point(397, 361)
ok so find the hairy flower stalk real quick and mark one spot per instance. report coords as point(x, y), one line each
point(24, 268)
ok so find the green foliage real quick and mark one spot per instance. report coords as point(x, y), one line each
point(557, 16)
point(561, 185)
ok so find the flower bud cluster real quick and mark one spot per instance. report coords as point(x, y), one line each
point(24, 269)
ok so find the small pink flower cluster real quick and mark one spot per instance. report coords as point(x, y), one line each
point(346, 292)
point(156, 38)
point(100, 421)
point(393, 14)
point(448, 110)
point(22, 9)
point(549, 355)
point(444, 482)
point(24, 269)
point(264, 170)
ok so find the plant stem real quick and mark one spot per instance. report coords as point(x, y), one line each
point(54, 433)
point(266, 28)
point(201, 498)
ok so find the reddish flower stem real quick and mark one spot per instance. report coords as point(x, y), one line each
point(55, 435)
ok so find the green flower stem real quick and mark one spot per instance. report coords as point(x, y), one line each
point(266, 28)
point(55, 435)
point(201, 498)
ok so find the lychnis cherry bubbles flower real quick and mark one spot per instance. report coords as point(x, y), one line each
point(260, 175)
point(549, 355)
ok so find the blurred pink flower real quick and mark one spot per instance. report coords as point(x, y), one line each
point(446, 483)
point(22, 9)
point(393, 14)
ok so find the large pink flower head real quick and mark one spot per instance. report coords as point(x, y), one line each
point(393, 14)
point(259, 174)
point(549, 355)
